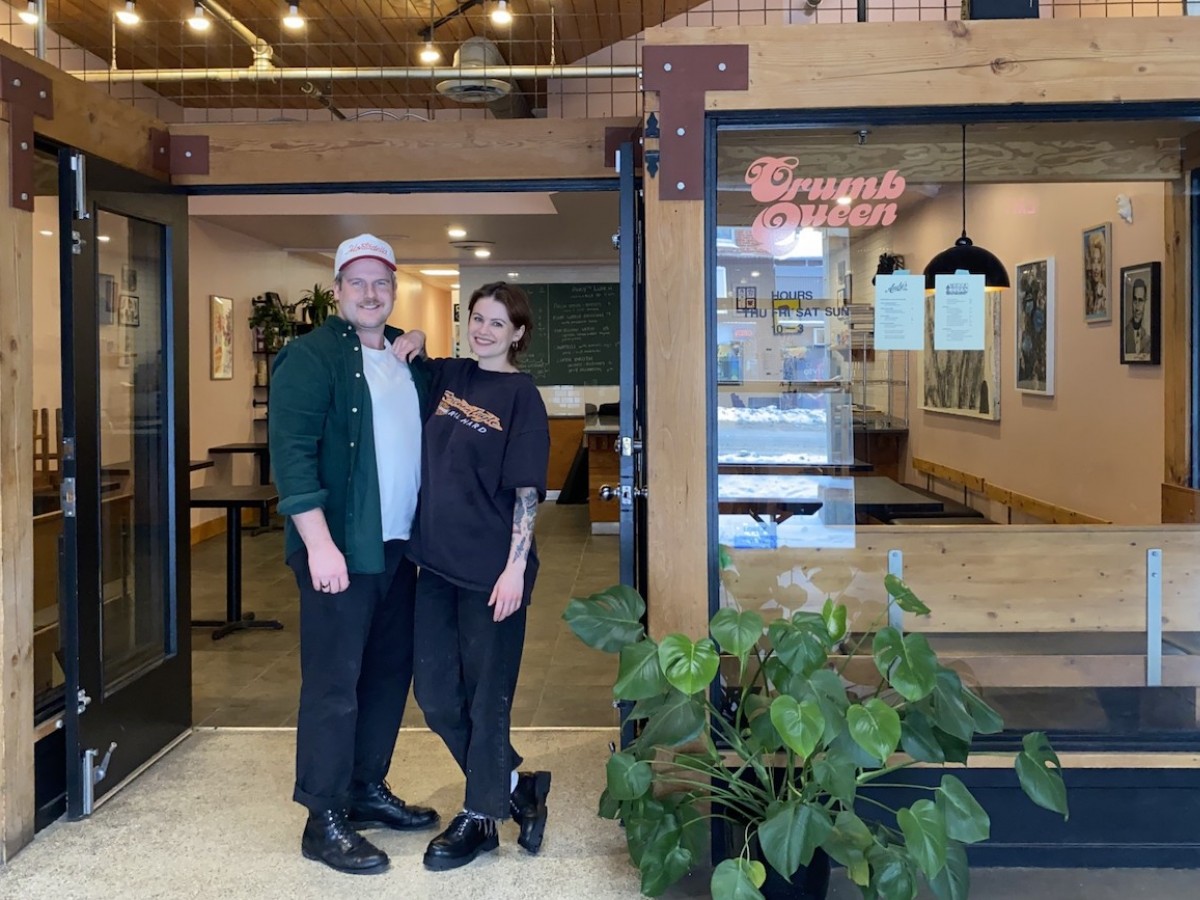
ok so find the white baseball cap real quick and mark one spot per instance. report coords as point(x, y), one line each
point(365, 246)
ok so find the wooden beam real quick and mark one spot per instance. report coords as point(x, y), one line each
point(1176, 335)
point(16, 529)
point(946, 473)
point(1180, 504)
point(91, 120)
point(355, 152)
point(929, 64)
point(1040, 509)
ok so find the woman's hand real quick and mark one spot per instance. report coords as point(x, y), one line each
point(508, 593)
point(409, 345)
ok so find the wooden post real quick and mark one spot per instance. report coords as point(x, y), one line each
point(16, 527)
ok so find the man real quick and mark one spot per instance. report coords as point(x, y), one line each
point(345, 438)
point(1137, 335)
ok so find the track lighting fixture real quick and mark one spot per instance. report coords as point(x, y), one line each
point(501, 14)
point(30, 15)
point(292, 20)
point(430, 54)
point(198, 21)
point(129, 14)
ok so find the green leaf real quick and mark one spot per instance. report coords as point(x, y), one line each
point(949, 711)
point(918, 740)
point(664, 862)
point(801, 644)
point(875, 727)
point(966, 820)
point(738, 879)
point(640, 677)
point(954, 881)
point(801, 725)
point(694, 831)
point(924, 829)
point(610, 807)
point(790, 835)
point(725, 558)
point(986, 719)
point(628, 776)
point(645, 819)
point(689, 665)
point(846, 744)
point(903, 595)
point(608, 620)
point(644, 709)
point(825, 687)
point(1040, 774)
point(837, 774)
point(907, 662)
point(954, 749)
point(834, 615)
point(847, 843)
point(737, 632)
point(762, 729)
point(679, 719)
point(894, 878)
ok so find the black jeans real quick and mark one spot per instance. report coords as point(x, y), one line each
point(356, 663)
point(466, 674)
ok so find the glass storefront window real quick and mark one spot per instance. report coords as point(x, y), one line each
point(1015, 483)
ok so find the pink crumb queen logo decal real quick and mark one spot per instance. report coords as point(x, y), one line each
point(795, 203)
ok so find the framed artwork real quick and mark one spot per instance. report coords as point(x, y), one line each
point(1141, 314)
point(129, 279)
point(220, 321)
point(129, 311)
point(1034, 343)
point(125, 348)
point(107, 299)
point(963, 382)
point(1097, 273)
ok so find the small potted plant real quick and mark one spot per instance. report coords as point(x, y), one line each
point(317, 304)
point(797, 755)
point(273, 323)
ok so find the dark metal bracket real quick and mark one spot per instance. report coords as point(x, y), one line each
point(179, 154)
point(682, 76)
point(27, 94)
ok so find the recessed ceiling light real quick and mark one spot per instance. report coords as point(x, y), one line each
point(445, 273)
point(455, 232)
point(46, 233)
point(482, 252)
point(103, 238)
point(844, 201)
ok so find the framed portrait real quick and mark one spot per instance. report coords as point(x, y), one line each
point(129, 311)
point(1141, 314)
point(106, 299)
point(1097, 273)
point(129, 279)
point(220, 323)
point(1034, 343)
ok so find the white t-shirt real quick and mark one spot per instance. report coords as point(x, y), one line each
point(396, 421)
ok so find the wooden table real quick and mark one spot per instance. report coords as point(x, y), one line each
point(233, 499)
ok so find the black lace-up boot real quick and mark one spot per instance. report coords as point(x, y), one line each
point(328, 838)
point(376, 806)
point(467, 837)
point(529, 808)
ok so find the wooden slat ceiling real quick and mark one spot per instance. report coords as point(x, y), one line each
point(346, 33)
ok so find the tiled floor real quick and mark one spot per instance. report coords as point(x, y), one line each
point(253, 677)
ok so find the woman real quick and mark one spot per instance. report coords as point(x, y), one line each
point(483, 473)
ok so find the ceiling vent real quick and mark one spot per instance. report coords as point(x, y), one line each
point(475, 53)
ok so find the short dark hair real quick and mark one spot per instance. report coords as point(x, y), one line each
point(1138, 283)
point(520, 313)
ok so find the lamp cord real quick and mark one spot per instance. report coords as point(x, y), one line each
point(964, 180)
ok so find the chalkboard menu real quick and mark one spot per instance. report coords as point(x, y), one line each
point(576, 333)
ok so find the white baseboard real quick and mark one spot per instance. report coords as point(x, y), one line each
point(606, 528)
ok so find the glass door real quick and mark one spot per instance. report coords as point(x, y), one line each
point(125, 606)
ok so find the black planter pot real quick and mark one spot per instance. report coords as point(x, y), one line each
point(810, 882)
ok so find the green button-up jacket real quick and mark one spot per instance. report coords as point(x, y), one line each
point(322, 439)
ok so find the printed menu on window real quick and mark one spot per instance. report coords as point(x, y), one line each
point(899, 312)
point(958, 314)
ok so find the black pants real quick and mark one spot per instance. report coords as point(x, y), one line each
point(466, 674)
point(356, 663)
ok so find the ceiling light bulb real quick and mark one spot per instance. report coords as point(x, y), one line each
point(429, 54)
point(483, 253)
point(103, 238)
point(500, 14)
point(198, 22)
point(293, 20)
point(30, 14)
point(443, 273)
point(456, 232)
point(514, 274)
point(128, 15)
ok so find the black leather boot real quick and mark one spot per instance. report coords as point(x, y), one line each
point(328, 838)
point(529, 808)
point(465, 839)
point(375, 806)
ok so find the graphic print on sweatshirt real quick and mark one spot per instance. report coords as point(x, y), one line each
point(472, 416)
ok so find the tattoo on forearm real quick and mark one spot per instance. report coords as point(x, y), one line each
point(524, 514)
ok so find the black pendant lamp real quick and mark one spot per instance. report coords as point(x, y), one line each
point(965, 255)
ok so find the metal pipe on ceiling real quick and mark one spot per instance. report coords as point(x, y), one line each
point(353, 73)
point(222, 14)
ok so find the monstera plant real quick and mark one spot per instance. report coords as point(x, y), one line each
point(797, 749)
